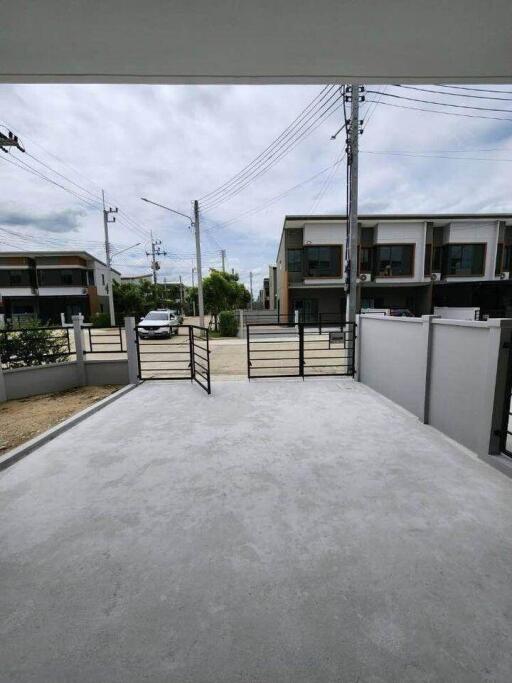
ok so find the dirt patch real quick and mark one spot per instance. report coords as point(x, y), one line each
point(24, 418)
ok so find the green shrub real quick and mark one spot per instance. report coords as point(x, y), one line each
point(100, 320)
point(228, 324)
point(32, 345)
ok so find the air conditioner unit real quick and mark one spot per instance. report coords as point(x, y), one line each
point(505, 275)
point(364, 277)
point(435, 277)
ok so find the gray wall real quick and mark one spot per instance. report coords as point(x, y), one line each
point(449, 373)
point(101, 372)
point(46, 379)
point(43, 379)
point(391, 362)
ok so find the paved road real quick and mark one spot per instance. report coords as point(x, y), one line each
point(276, 531)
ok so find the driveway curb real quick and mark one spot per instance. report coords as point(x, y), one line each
point(21, 451)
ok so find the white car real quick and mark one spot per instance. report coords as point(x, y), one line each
point(161, 323)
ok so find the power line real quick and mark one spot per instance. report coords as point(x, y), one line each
point(291, 126)
point(30, 169)
point(430, 156)
point(465, 87)
point(444, 113)
point(272, 159)
point(442, 104)
point(454, 94)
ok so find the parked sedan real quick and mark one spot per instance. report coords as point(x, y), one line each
point(161, 323)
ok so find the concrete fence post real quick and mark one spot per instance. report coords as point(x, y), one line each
point(241, 324)
point(3, 390)
point(131, 349)
point(79, 350)
point(427, 364)
point(357, 347)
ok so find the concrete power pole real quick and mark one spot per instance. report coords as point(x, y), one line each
point(198, 264)
point(250, 280)
point(181, 294)
point(352, 226)
point(155, 252)
point(223, 256)
point(108, 253)
point(193, 298)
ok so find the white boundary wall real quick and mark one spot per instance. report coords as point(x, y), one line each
point(449, 373)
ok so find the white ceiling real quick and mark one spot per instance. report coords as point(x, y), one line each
point(266, 41)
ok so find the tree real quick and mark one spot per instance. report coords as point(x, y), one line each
point(223, 292)
point(139, 298)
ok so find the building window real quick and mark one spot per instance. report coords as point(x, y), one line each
point(498, 268)
point(322, 261)
point(465, 259)
point(66, 277)
point(90, 277)
point(507, 260)
point(365, 260)
point(428, 260)
point(437, 259)
point(103, 278)
point(294, 257)
point(15, 277)
point(394, 260)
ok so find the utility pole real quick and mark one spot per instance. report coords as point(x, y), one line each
point(198, 264)
point(250, 279)
point(352, 223)
point(181, 294)
point(110, 290)
point(223, 256)
point(193, 295)
point(155, 252)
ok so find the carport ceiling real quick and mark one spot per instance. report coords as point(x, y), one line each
point(266, 41)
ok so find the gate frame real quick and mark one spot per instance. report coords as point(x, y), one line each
point(192, 376)
point(302, 367)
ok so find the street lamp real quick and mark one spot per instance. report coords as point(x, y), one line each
point(195, 223)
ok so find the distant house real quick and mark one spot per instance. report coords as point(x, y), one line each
point(44, 284)
point(136, 279)
point(406, 261)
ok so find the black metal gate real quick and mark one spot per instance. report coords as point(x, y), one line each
point(185, 355)
point(506, 428)
point(300, 349)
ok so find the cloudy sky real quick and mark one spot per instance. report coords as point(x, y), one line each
point(173, 144)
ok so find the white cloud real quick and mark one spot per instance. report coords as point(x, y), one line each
point(175, 143)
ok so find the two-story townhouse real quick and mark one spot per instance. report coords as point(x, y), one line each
point(45, 284)
point(411, 261)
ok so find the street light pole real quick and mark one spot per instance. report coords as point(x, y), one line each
point(195, 223)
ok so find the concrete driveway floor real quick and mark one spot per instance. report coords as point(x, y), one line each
point(275, 531)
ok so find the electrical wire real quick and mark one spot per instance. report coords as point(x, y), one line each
point(442, 104)
point(430, 156)
point(453, 94)
point(465, 87)
point(284, 133)
point(287, 150)
point(445, 113)
point(277, 154)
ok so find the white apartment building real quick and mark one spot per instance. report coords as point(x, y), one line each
point(409, 261)
point(44, 284)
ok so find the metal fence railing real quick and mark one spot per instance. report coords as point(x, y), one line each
point(104, 340)
point(300, 350)
point(32, 346)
